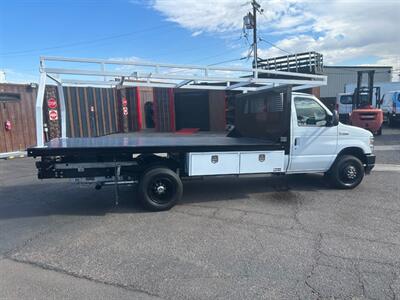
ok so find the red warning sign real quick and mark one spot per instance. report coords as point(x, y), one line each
point(52, 103)
point(53, 115)
point(124, 102)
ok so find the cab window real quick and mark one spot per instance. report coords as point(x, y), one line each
point(346, 99)
point(309, 112)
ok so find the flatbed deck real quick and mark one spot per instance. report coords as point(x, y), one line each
point(143, 143)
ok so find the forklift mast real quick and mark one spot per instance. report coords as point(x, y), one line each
point(363, 96)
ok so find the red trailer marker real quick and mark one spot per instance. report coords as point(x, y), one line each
point(53, 115)
point(52, 103)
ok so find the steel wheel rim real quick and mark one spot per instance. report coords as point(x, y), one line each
point(349, 174)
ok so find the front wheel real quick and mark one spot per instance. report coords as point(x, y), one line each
point(347, 172)
point(390, 121)
point(160, 189)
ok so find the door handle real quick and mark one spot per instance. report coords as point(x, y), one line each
point(296, 141)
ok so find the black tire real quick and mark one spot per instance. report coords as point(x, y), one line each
point(390, 121)
point(160, 189)
point(347, 172)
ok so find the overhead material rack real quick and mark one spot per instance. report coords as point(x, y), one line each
point(122, 73)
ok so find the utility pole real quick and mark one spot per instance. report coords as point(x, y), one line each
point(250, 22)
point(255, 7)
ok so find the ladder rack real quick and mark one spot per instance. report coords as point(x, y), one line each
point(119, 73)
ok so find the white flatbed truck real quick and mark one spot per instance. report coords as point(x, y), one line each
point(277, 131)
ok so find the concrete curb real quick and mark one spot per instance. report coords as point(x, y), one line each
point(386, 168)
point(12, 155)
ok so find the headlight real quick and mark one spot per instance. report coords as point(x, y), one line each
point(371, 143)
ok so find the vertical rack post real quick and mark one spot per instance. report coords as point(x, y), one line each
point(63, 110)
point(39, 110)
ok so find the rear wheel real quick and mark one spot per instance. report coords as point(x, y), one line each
point(390, 121)
point(160, 189)
point(347, 172)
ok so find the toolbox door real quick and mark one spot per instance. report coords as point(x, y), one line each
point(253, 162)
point(213, 163)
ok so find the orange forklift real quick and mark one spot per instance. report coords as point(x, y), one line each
point(365, 114)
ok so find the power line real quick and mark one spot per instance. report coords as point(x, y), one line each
point(275, 46)
point(208, 57)
point(74, 44)
point(225, 61)
point(268, 42)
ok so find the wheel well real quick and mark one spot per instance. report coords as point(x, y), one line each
point(355, 151)
point(147, 161)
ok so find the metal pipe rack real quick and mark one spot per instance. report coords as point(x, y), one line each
point(118, 73)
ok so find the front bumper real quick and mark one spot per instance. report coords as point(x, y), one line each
point(396, 116)
point(370, 163)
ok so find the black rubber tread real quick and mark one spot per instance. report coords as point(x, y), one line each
point(146, 180)
point(340, 163)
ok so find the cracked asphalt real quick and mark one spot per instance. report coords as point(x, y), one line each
point(250, 238)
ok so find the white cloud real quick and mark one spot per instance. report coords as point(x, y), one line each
point(226, 15)
point(343, 30)
point(127, 68)
point(196, 33)
point(19, 77)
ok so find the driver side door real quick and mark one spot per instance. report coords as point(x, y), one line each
point(314, 140)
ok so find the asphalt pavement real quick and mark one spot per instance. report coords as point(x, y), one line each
point(269, 237)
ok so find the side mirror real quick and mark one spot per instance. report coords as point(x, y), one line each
point(333, 120)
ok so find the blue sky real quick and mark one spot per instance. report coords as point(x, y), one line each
point(189, 31)
point(101, 29)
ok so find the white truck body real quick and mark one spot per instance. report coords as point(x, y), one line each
point(391, 106)
point(344, 104)
point(314, 149)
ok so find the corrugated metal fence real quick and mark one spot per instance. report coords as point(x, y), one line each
point(90, 112)
point(164, 109)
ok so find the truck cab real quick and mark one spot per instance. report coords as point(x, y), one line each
point(318, 139)
point(313, 138)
